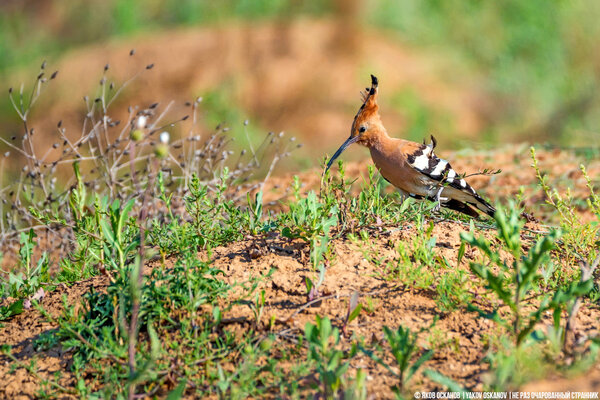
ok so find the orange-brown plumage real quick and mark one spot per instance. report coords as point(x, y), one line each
point(411, 167)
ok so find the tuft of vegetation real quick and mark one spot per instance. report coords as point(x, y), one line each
point(517, 280)
point(404, 349)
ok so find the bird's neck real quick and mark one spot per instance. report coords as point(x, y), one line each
point(376, 137)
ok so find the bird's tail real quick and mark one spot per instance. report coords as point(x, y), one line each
point(461, 207)
point(483, 205)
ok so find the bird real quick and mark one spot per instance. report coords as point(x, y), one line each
point(413, 168)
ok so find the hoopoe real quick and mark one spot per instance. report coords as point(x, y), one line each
point(411, 167)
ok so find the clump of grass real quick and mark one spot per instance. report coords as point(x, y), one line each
point(417, 263)
point(115, 157)
point(119, 329)
point(404, 349)
point(579, 237)
point(331, 364)
point(579, 242)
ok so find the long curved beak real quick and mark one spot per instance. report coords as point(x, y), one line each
point(344, 146)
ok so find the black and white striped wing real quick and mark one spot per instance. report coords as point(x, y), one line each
point(426, 162)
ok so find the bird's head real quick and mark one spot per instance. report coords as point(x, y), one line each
point(366, 123)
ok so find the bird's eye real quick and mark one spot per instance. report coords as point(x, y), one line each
point(362, 129)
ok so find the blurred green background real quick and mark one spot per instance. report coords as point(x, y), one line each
point(474, 73)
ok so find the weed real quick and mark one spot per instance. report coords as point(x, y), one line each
point(354, 309)
point(443, 380)
point(323, 341)
point(15, 308)
point(28, 280)
point(403, 346)
point(214, 220)
point(437, 339)
point(312, 287)
point(512, 366)
point(418, 265)
point(308, 218)
point(115, 160)
point(258, 308)
point(516, 277)
point(46, 340)
point(579, 237)
point(420, 251)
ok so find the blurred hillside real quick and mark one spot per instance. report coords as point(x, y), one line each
point(475, 74)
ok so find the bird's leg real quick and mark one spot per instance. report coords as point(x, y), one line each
point(403, 194)
point(439, 198)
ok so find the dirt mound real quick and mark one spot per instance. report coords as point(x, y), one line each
point(298, 76)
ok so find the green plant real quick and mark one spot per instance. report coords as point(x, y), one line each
point(437, 339)
point(420, 251)
point(452, 290)
point(370, 206)
point(312, 288)
point(255, 213)
point(308, 218)
point(443, 380)
point(354, 309)
point(323, 341)
point(14, 308)
point(119, 243)
point(403, 346)
point(319, 246)
point(258, 308)
point(215, 219)
point(29, 276)
point(514, 278)
point(579, 237)
point(511, 366)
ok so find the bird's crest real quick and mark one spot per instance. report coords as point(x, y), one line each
point(360, 131)
point(369, 98)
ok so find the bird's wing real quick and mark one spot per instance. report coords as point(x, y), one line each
point(424, 160)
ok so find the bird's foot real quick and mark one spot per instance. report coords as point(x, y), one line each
point(438, 205)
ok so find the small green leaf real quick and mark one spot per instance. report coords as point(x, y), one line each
point(177, 393)
point(154, 342)
point(461, 250)
point(443, 380)
point(13, 309)
point(411, 371)
point(217, 314)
